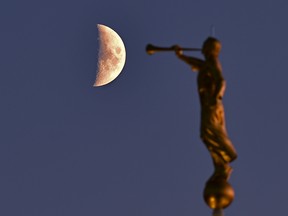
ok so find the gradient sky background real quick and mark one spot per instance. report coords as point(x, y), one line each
point(132, 148)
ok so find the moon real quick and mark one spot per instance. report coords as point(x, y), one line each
point(111, 57)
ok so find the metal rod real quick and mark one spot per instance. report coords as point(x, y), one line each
point(218, 212)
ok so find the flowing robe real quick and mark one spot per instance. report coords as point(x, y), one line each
point(211, 87)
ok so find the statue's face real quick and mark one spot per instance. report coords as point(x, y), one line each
point(211, 48)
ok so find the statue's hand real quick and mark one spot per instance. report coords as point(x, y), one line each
point(178, 50)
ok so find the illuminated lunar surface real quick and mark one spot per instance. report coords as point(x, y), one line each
point(112, 56)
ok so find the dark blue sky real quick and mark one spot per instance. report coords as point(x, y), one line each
point(132, 147)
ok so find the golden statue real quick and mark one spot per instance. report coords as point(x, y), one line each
point(211, 87)
point(218, 193)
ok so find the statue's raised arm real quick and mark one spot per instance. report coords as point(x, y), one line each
point(195, 63)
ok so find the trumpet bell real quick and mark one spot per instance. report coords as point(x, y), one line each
point(150, 49)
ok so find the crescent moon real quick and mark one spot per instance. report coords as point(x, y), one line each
point(111, 57)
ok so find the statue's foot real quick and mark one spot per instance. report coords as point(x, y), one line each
point(233, 156)
point(221, 172)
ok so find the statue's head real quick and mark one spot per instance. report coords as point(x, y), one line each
point(211, 47)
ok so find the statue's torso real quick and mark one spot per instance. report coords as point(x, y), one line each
point(212, 110)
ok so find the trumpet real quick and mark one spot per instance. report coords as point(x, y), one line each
point(151, 49)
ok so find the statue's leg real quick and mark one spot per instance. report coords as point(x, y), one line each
point(220, 156)
point(226, 148)
point(222, 169)
point(217, 141)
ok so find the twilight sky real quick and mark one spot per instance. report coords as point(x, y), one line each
point(132, 148)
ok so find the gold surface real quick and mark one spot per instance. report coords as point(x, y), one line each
point(218, 194)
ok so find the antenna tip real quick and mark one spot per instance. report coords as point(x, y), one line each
point(212, 30)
